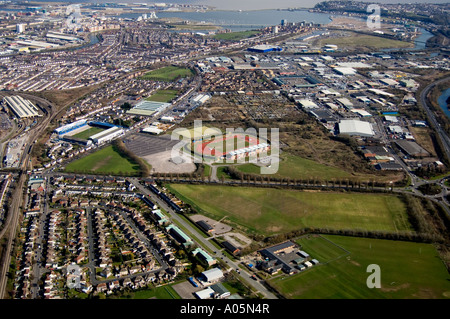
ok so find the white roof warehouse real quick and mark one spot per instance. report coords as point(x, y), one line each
point(356, 128)
point(20, 106)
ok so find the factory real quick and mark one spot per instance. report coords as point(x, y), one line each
point(356, 128)
point(264, 48)
point(107, 135)
point(21, 107)
point(148, 108)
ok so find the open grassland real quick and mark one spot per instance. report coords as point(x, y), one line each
point(235, 36)
point(88, 133)
point(271, 211)
point(104, 161)
point(163, 96)
point(355, 40)
point(168, 74)
point(408, 270)
point(295, 167)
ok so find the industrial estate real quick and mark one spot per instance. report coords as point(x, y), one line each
point(351, 121)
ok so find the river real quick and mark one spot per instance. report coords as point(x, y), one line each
point(442, 100)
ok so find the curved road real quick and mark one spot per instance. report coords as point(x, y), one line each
point(432, 118)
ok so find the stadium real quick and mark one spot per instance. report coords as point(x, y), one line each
point(84, 132)
point(231, 147)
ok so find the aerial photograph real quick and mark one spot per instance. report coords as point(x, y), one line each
point(224, 157)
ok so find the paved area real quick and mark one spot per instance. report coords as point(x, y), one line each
point(162, 163)
point(186, 290)
point(219, 228)
point(143, 144)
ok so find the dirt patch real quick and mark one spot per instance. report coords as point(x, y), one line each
point(101, 163)
point(394, 287)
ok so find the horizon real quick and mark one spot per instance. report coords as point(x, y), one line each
point(248, 5)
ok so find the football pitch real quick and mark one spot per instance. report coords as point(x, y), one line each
point(84, 135)
point(104, 161)
point(407, 270)
point(168, 74)
point(270, 211)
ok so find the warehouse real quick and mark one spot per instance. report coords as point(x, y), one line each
point(264, 48)
point(411, 148)
point(206, 293)
point(356, 128)
point(307, 104)
point(21, 107)
point(212, 275)
point(205, 226)
point(230, 247)
point(148, 108)
point(346, 103)
point(152, 130)
point(107, 135)
point(345, 70)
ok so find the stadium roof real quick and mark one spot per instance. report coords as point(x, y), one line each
point(355, 127)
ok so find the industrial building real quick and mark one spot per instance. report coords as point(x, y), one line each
point(148, 108)
point(263, 48)
point(356, 128)
point(21, 107)
point(212, 275)
point(411, 148)
point(107, 135)
point(231, 248)
point(276, 257)
point(205, 226)
point(152, 130)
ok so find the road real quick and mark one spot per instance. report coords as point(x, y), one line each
point(432, 118)
point(203, 242)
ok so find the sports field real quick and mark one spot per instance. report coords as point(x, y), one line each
point(219, 146)
point(270, 211)
point(104, 161)
point(168, 74)
point(295, 167)
point(407, 270)
point(163, 96)
point(84, 135)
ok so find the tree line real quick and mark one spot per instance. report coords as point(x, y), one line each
point(119, 147)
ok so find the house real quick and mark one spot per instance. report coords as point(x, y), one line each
point(102, 287)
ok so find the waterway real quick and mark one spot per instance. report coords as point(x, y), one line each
point(442, 100)
point(244, 20)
